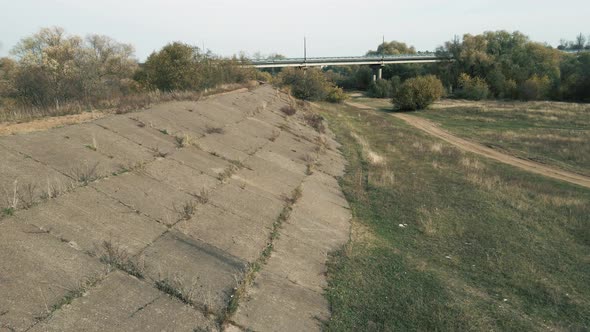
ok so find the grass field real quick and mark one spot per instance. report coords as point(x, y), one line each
point(553, 133)
point(445, 241)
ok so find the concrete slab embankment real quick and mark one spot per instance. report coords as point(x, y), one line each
point(150, 220)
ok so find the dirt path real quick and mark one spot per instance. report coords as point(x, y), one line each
point(528, 165)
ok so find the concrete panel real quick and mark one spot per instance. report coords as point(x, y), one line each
point(223, 113)
point(247, 136)
point(216, 144)
point(247, 202)
point(37, 271)
point(146, 195)
point(123, 303)
point(109, 144)
point(181, 177)
point(138, 132)
point(200, 160)
point(269, 177)
point(55, 149)
point(276, 304)
point(239, 236)
point(205, 274)
point(87, 218)
point(28, 176)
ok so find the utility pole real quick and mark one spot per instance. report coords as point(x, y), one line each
point(304, 49)
point(383, 49)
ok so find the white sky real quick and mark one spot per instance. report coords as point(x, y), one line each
point(332, 27)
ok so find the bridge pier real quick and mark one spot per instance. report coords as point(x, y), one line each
point(377, 72)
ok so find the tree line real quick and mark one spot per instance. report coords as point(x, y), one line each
point(498, 64)
point(52, 68)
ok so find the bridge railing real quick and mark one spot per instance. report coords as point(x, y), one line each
point(420, 56)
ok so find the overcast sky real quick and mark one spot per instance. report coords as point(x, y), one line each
point(332, 27)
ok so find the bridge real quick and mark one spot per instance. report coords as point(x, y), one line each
point(376, 62)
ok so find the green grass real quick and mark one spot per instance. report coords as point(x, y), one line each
point(552, 133)
point(484, 246)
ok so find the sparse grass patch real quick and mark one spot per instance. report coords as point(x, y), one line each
point(469, 245)
point(552, 133)
point(9, 211)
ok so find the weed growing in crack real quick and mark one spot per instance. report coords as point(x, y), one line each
point(202, 197)
point(117, 257)
point(174, 288)
point(228, 172)
point(255, 267)
point(183, 141)
point(275, 134)
point(315, 121)
point(85, 174)
point(187, 210)
point(214, 130)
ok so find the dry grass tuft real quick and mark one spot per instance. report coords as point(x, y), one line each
point(214, 130)
point(116, 256)
point(85, 173)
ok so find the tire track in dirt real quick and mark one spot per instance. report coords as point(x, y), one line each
point(527, 165)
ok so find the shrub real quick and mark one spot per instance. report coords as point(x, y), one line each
point(418, 92)
point(336, 95)
point(310, 84)
point(535, 88)
point(473, 88)
point(288, 110)
point(315, 121)
point(380, 89)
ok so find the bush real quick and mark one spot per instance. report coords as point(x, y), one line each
point(418, 92)
point(336, 95)
point(307, 84)
point(380, 89)
point(288, 110)
point(315, 121)
point(535, 88)
point(310, 84)
point(472, 88)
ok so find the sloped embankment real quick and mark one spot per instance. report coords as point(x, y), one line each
point(160, 219)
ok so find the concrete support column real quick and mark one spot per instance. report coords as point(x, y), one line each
point(380, 73)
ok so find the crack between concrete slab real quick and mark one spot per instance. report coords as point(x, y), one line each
point(250, 275)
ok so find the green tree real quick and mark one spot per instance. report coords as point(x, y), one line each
point(177, 66)
point(392, 48)
point(502, 59)
point(418, 93)
point(473, 88)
